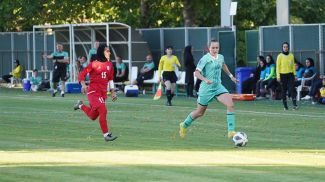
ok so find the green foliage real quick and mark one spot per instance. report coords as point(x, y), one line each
point(21, 15)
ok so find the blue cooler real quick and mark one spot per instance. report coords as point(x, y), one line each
point(242, 73)
point(72, 87)
point(26, 85)
point(131, 90)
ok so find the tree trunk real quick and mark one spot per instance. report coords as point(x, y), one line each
point(144, 10)
point(188, 14)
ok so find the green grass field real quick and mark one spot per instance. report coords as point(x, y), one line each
point(43, 139)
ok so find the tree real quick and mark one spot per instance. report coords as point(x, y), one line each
point(144, 9)
point(188, 14)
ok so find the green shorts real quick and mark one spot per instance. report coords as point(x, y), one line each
point(206, 97)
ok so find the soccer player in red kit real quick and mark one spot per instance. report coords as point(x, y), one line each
point(101, 73)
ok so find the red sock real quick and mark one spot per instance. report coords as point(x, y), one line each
point(102, 118)
point(92, 114)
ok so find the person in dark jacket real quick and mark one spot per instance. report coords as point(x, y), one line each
point(249, 85)
point(189, 70)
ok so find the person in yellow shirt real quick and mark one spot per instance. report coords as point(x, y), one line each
point(167, 64)
point(322, 92)
point(286, 75)
point(15, 73)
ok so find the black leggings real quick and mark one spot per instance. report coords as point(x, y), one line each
point(7, 78)
point(287, 84)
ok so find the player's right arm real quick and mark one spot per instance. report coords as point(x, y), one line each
point(82, 77)
point(198, 75)
point(45, 56)
point(199, 68)
point(278, 67)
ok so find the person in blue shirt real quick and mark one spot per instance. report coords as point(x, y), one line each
point(270, 77)
point(310, 70)
point(61, 61)
point(146, 71)
point(300, 70)
point(314, 83)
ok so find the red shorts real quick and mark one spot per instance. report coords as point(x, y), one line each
point(96, 99)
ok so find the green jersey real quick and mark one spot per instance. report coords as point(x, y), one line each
point(210, 68)
point(58, 56)
point(36, 80)
point(92, 52)
point(150, 65)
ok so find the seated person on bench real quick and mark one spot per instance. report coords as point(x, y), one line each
point(146, 71)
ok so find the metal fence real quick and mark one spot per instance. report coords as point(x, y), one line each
point(198, 37)
point(306, 40)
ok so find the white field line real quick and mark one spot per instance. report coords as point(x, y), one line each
point(165, 158)
point(180, 108)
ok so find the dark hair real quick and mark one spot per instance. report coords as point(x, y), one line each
point(299, 64)
point(261, 58)
point(17, 62)
point(100, 53)
point(272, 60)
point(188, 57)
point(169, 47)
point(312, 63)
point(35, 70)
point(83, 56)
point(285, 53)
point(285, 43)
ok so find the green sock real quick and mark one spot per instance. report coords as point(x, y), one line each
point(188, 121)
point(231, 121)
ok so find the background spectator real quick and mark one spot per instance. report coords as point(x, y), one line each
point(285, 74)
point(14, 74)
point(146, 71)
point(81, 63)
point(121, 70)
point(35, 81)
point(189, 70)
point(270, 77)
point(61, 61)
point(167, 64)
point(300, 69)
point(92, 52)
point(322, 92)
point(262, 77)
point(249, 85)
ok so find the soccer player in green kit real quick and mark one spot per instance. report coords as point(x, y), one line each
point(209, 71)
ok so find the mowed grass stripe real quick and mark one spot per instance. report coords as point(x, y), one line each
point(309, 115)
point(184, 158)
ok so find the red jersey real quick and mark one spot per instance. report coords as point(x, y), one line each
point(100, 73)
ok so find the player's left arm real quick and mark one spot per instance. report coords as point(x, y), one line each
point(177, 62)
point(225, 69)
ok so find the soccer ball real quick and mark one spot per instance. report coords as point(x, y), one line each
point(240, 139)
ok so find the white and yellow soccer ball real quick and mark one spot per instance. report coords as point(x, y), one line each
point(240, 139)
